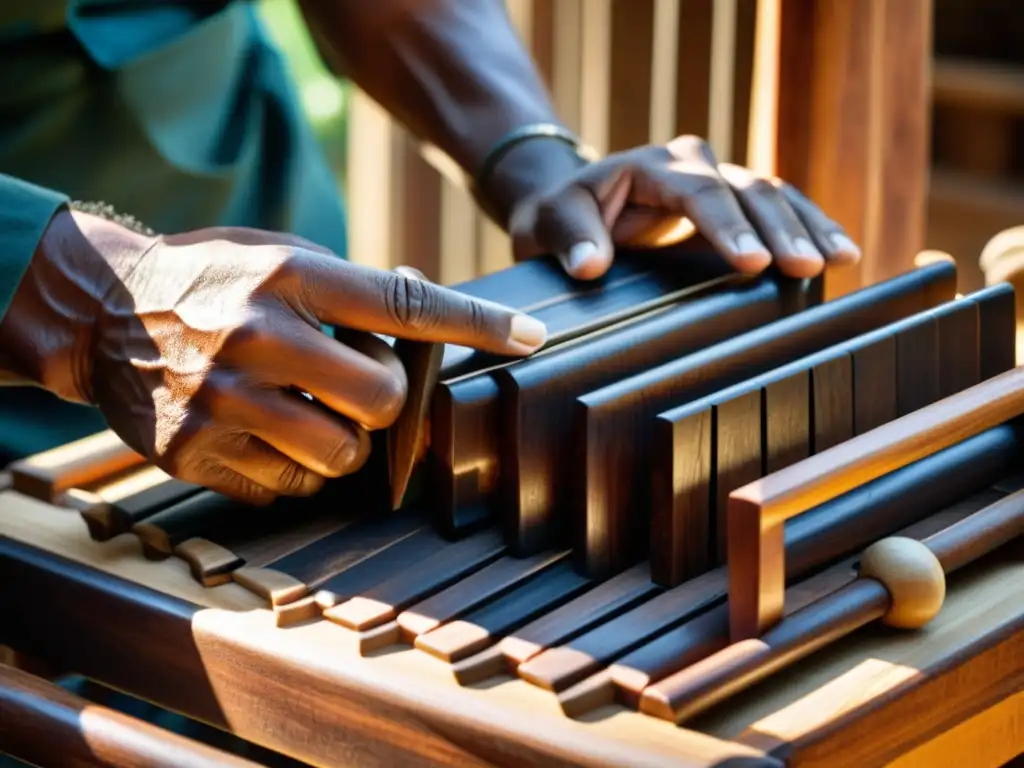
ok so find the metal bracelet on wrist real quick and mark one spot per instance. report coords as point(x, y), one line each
point(513, 139)
point(107, 211)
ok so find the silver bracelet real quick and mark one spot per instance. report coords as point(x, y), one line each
point(107, 211)
point(519, 135)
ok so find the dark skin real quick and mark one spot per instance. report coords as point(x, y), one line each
point(195, 345)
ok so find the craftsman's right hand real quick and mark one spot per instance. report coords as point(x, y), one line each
point(196, 347)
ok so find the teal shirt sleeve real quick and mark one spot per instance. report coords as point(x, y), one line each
point(25, 213)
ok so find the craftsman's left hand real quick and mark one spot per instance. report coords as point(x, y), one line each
point(660, 195)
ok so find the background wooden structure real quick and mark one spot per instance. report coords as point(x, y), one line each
point(831, 94)
point(977, 177)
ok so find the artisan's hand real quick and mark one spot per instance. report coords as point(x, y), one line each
point(659, 195)
point(196, 346)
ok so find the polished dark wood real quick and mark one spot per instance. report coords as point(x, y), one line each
point(418, 580)
point(698, 686)
point(832, 404)
point(43, 724)
point(484, 626)
point(475, 590)
point(917, 367)
point(602, 603)
point(407, 437)
point(614, 423)
point(770, 422)
point(821, 537)
point(537, 395)
point(998, 332)
point(874, 376)
point(109, 508)
point(462, 464)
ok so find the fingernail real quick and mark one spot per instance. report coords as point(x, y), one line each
point(845, 246)
point(412, 272)
point(528, 332)
point(804, 247)
point(581, 257)
point(748, 243)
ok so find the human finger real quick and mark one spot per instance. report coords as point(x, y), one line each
point(792, 246)
point(378, 301)
point(284, 351)
point(682, 179)
point(249, 457)
point(306, 433)
point(830, 238)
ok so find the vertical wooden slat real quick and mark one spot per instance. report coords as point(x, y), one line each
point(743, 72)
point(664, 55)
point(722, 78)
point(632, 57)
point(852, 123)
point(595, 72)
point(369, 178)
point(415, 208)
point(693, 68)
point(567, 44)
point(542, 39)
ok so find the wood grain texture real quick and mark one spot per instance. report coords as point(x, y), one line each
point(770, 421)
point(488, 624)
point(832, 406)
point(538, 394)
point(79, 463)
point(917, 367)
point(614, 423)
point(700, 686)
point(463, 461)
point(787, 421)
point(385, 599)
point(757, 512)
point(387, 710)
point(998, 333)
point(116, 503)
point(859, 150)
point(874, 385)
point(397, 708)
point(682, 482)
point(44, 724)
point(903, 505)
point(477, 589)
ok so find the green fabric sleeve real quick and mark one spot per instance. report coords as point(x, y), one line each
point(25, 213)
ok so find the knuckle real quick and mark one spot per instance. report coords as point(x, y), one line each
point(254, 332)
point(220, 395)
point(762, 187)
point(296, 480)
point(688, 147)
point(411, 303)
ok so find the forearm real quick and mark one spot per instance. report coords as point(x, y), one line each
point(455, 73)
point(25, 213)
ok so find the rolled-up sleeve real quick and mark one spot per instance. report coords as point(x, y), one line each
point(25, 212)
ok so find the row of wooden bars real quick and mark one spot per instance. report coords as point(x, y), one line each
point(831, 95)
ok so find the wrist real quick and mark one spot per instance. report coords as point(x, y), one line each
point(49, 330)
point(527, 169)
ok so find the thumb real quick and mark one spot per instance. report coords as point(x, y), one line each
point(571, 227)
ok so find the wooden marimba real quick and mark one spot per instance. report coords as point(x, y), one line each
point(736, 526)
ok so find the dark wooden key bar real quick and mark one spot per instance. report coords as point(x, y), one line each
point(614, 423)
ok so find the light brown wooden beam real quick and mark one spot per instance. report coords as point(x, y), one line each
point(853, 123)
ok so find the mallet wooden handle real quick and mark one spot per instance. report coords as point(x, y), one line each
point(758, 511)
point(700, 686)
point(43, 724)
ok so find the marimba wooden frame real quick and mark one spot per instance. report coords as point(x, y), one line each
point(215, 655)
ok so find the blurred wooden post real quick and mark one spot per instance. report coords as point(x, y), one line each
point(853, 122)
